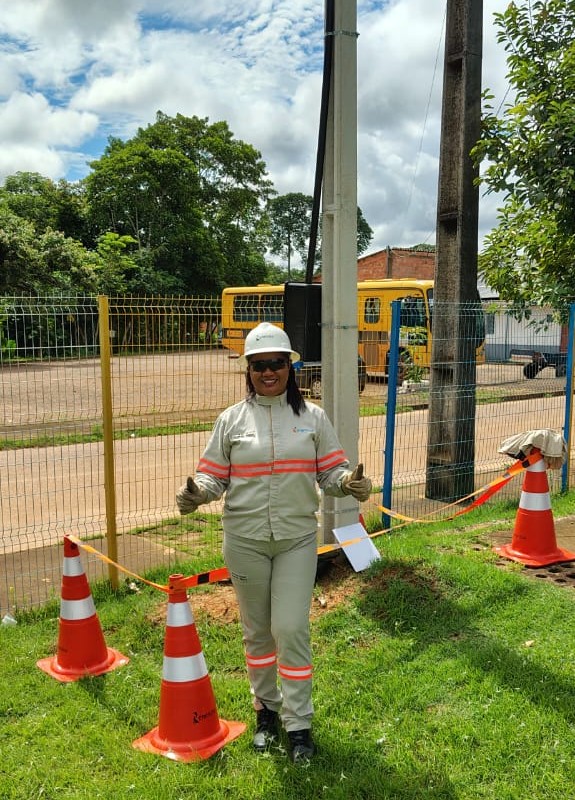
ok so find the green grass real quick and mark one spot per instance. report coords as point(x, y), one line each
point(97, 435)
point(440, 674)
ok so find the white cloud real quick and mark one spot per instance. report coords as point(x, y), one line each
point(72, 72)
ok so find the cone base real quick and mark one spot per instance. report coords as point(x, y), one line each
point(556, 556)
point(178, 751)
point(51, 667)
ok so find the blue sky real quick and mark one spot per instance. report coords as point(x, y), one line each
point(73, 73)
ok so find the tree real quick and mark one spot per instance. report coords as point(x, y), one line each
point(21, 267)
point(364, 232)
point(191, 196)
point(529, 258)
point(45, 204)
point(42, 263)
point(364, 237)
point(290, 225)
point(290, 220)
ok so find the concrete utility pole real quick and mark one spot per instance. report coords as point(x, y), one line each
point(451, 443)
point(339, 256)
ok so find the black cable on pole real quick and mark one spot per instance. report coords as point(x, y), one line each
point(325, 92)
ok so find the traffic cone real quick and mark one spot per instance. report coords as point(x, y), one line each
point(189, 728)
point(533, 542)
point(81, 650)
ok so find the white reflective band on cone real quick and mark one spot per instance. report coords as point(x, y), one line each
point(184, 668)
point(179, 614)
point(77, 609)
point(538, 501)
point(539, 466)
point(72, 567)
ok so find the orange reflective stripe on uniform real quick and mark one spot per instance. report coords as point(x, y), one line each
point(331, 460)
point(303, 466)
point(257, 662)
point(220, 471)
point(295, 673)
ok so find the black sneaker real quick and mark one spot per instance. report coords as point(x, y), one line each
point(267, 729)
point(302, 747)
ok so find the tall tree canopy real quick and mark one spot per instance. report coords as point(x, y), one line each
point(530, 257)
point(60, 206)
point(192, 197)
point(290, 224)
point(290, 220)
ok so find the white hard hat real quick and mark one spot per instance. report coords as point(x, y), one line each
point(268, 338)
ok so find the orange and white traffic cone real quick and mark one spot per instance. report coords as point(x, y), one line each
point(189, 728)
point(81, 650)
point(533, 542)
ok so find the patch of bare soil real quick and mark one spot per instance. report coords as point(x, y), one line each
point(336, 582)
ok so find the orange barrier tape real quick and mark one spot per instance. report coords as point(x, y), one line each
point(202, 578)
point(222, 573)
point(485, 492)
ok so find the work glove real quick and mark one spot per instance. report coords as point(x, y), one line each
point(190, 496)
point(356, 485)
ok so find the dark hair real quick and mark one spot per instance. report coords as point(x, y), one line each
point(294, 396)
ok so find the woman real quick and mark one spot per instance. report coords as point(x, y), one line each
point(266, 453)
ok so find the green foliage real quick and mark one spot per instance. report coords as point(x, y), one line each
point(530, 257)
point(45, 204)
point(21, 266)
point(190, 195)
point(289, 218)
point(364, 232)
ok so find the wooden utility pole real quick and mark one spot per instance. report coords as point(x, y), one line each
point(451, 440)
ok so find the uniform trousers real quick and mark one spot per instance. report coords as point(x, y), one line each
point(273, 581)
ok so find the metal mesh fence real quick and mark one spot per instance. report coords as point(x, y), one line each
point(168, 379)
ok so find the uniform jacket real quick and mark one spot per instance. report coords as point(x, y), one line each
point(267, 460)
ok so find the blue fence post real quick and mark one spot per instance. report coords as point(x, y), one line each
point(393, 370)
point(568, 399)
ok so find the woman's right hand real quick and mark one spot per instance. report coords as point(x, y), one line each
point(190, 496)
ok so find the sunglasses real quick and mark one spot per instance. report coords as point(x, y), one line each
point(268, 363)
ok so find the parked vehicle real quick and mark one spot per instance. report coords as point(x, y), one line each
point(244, 307)
point(308, 376)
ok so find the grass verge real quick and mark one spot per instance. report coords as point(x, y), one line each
point(439, 673)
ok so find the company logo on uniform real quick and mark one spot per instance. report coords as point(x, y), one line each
point(295, 429)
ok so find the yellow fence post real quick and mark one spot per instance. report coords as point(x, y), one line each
point(108, 432)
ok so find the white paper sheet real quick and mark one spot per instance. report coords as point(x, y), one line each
point(360, 554)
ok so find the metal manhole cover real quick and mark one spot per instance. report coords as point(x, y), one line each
point(561, 574)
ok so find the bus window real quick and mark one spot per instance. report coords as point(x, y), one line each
point(272, 308)
point(412, 312)
point(246, 308)
point(371, 310)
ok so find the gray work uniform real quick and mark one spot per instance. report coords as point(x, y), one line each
point(269, 461)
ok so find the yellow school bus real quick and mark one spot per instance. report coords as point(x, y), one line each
point(245, 307)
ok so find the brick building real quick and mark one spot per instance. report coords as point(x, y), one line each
point(397, 262)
